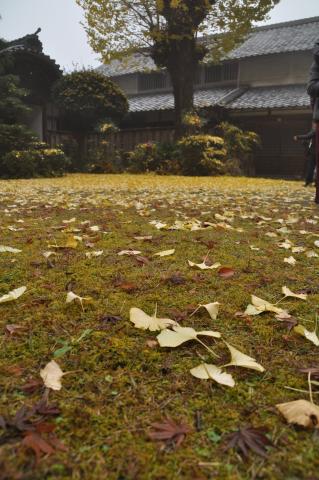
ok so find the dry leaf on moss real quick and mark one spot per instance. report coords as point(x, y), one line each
point(4, 249)
point(146, 322)
point(71, 296)
point(165, 253)
point(239, 359)
point(212, 309)
point(311, 336)
point(226, 272)
point(208, 371)
point(51, 375)
point(129, 252)
point(258, 306)
point(300, 412)
point(169, 431)
point(13, 295)
point(180, 335)
point(288, 293)
point(204, 266)
point(249, 438)
point(291, 260)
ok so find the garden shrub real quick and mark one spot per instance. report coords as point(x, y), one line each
point(240, 145)
point(15, 137)
point(161, 158)
point(101, 160)
point(202, 155)
point(41, 162)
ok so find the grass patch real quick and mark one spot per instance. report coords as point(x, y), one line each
point(121, 385)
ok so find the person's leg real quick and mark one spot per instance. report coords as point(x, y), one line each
point(310, 169)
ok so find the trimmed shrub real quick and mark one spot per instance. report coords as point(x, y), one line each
point(202, 155)
point(240, 145)
point(45, 162)
point(161, 158)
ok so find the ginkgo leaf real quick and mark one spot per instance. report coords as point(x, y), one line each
point(146, 322)
point(291, 260)
point(203, 265)
point(212, 309)
point(51, 375)
point(312, 254)
point(48, 254)
point(300, 412)
point(298, 249)
point(129, 252)
point(288, 293)
point(286, 244)
point(165, 253)
point(259, 306)
point(13, 295)
point(96, 253)
point(311, 336)
point(239, 359)
point(4, 249)
point(144, 237)
point(71, 296)
point(180, 335)
point(208, 371)
point(72, 220)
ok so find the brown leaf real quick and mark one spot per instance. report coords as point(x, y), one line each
point(226, 272)
point(32, 386)
point(128, 287)
point(15, 370)
point(35, 442)
point(42, 407)
point(14, 328)
point(170, 432)
point(176, 279)
point(141, 260)
point(107, 320)
point(248, 438)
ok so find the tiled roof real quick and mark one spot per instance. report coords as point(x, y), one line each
point(165, 101)
point(135, 63)
point(295, 36)
point(299, 35)
point(262, 98)
point(259, 98)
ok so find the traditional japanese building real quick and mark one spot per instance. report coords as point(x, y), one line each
point(37, 73)
point(261, 85)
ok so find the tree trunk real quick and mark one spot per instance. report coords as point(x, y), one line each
point(182, 68)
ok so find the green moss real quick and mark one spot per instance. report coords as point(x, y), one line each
point(120, 384)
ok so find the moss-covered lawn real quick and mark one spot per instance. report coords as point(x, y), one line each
point(121, 381)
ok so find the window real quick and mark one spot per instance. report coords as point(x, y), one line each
point(221, 73)
point(152, 81)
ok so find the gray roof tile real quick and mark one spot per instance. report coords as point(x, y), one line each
point(261, 98)
point(258, 98)
point(165, 101)
point(283, 37)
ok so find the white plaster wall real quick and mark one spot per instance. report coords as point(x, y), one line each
point(278, 69)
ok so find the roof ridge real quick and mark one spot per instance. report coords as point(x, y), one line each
point(291, 23)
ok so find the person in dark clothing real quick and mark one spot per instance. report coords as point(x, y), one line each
point(313, 91)
point(310, 138)
point(313, 84)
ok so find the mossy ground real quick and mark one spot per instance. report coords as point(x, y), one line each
point(120, 384)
